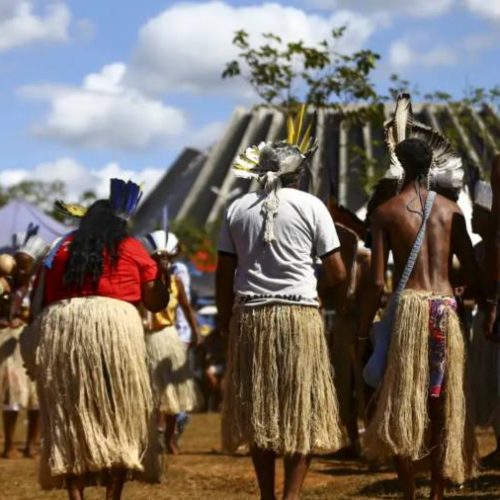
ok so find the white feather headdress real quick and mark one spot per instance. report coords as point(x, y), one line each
point(30, 244)
point(446, 169)
point(161, 241)
point(483, 195)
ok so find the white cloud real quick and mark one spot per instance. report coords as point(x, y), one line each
point(185, 48)
point(402, 55)
point(78, 178)
point(417, 8)
point(104, 113)
point(486, 8)
point(21, 24)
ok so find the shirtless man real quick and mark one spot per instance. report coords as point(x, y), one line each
point(424, 372)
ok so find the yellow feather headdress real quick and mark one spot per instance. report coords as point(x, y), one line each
point(70, 209)
point(282, 157)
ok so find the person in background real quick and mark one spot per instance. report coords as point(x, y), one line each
point(214, 367)
point(184, 330)
point(484, 354)
point(91, 362)
point(18, 391)
point(173, 384)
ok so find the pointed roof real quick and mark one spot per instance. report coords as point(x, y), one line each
point(15, 217)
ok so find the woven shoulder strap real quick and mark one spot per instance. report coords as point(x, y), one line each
point(416, 246)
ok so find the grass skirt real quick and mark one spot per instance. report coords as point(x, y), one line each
point(400, 423)
point(174, 387)
point(279, 391)
point(94, 388)
point(17, 391)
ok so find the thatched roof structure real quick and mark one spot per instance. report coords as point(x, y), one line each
point(199, 184)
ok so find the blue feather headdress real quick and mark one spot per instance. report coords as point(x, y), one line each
point(124, 197)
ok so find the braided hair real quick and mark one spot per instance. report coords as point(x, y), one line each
point(99, 235)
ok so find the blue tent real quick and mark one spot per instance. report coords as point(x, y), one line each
point(15, 217)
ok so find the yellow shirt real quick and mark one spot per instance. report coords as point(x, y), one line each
point(167, 317)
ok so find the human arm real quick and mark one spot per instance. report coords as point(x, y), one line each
point(376, 277)
point(155, 294)
point(333, 268)
point(188, 310)
point(464, 251)
point(224, 288)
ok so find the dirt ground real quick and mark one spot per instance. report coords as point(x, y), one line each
point(201, 472)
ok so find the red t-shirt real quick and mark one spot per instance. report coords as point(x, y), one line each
point(134, 267)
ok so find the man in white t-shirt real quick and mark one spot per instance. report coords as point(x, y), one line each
point(279, 395)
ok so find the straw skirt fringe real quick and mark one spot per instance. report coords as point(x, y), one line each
point(94, 388)
point(400, 423)
point(279, 391)
point(17, 391)
point(174, 387)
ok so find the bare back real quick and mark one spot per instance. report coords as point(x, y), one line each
point(395, 226)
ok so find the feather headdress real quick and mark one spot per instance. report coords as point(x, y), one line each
point(269, 162)
point(70, 209)
point(483, 195)
point(281, 157)
point(124, 198)
point(161, 241)
point(446, 170)
point(30, 243)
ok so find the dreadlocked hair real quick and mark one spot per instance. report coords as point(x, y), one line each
point(99, 235)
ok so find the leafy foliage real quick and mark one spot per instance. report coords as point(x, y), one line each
point(39, 193)
point(286, 73)
point(43, 195)
point(198, 244)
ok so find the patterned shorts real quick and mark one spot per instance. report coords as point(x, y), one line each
point(439, 308)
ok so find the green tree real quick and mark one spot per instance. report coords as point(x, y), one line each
point(283, 74)
point(39, 193)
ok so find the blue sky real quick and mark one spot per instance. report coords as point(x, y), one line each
point(94, 89)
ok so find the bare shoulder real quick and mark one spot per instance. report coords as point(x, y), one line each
point(447, 206)
point(384, 212)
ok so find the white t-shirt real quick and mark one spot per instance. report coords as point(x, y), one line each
point(281, 271)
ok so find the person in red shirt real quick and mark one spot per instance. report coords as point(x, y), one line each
point(90, 363)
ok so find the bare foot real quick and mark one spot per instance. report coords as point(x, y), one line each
point(30, 453)
point(172, 447)
point(12, 454)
